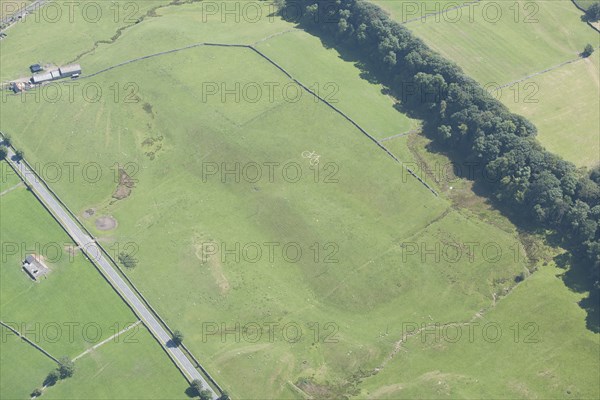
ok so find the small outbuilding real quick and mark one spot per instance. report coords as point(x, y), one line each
point(17, 87)
point(35, 267)
point(35, 68)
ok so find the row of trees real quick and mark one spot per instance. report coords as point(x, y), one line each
point(467, 120)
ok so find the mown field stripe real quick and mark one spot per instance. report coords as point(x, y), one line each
point(423, 17)
point(540, 72)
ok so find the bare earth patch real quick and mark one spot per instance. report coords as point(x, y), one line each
point(215, 266)
point(106, 223)
point(88, 213)
point(125, 185)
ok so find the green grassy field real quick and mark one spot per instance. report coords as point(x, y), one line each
point(172, 210)
point(74, 291)
point(498, 53)
point(585, 3)
point(566, 128)
point(505, 51)
point(8, 178)
point(62, 34)
point(180, 24)
point(133, 367)
point(22, 367)
point(554, 357)
point(174, 131)
point(348, 91)
point(66, 313)
point(9, 7)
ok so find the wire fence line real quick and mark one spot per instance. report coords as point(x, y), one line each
point(544, 71)
point(400, 135)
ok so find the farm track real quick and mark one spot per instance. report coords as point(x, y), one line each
point(11, 189)
point(286, 73)
point(132, 326)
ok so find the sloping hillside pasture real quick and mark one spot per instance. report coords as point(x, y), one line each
point(23, 367)
point(171, 134)
point(510, 48)
point(64, 30)
point(380, 119)
point(419, 12)
point(566, 109)
point(542, 351)
point(528, 37)
point(171, 26)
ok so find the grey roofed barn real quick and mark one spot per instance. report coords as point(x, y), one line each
point(34, 267)
point(70, 70)
point(39, 78)
point(36, 68)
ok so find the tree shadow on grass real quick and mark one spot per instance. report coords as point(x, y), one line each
point(49, 381)
point(574, 278)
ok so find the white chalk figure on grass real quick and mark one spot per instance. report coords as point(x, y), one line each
point(313, 156)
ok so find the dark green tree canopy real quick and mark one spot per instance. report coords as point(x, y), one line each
point(468, 120)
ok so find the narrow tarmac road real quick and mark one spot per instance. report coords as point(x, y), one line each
point(89, 246)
